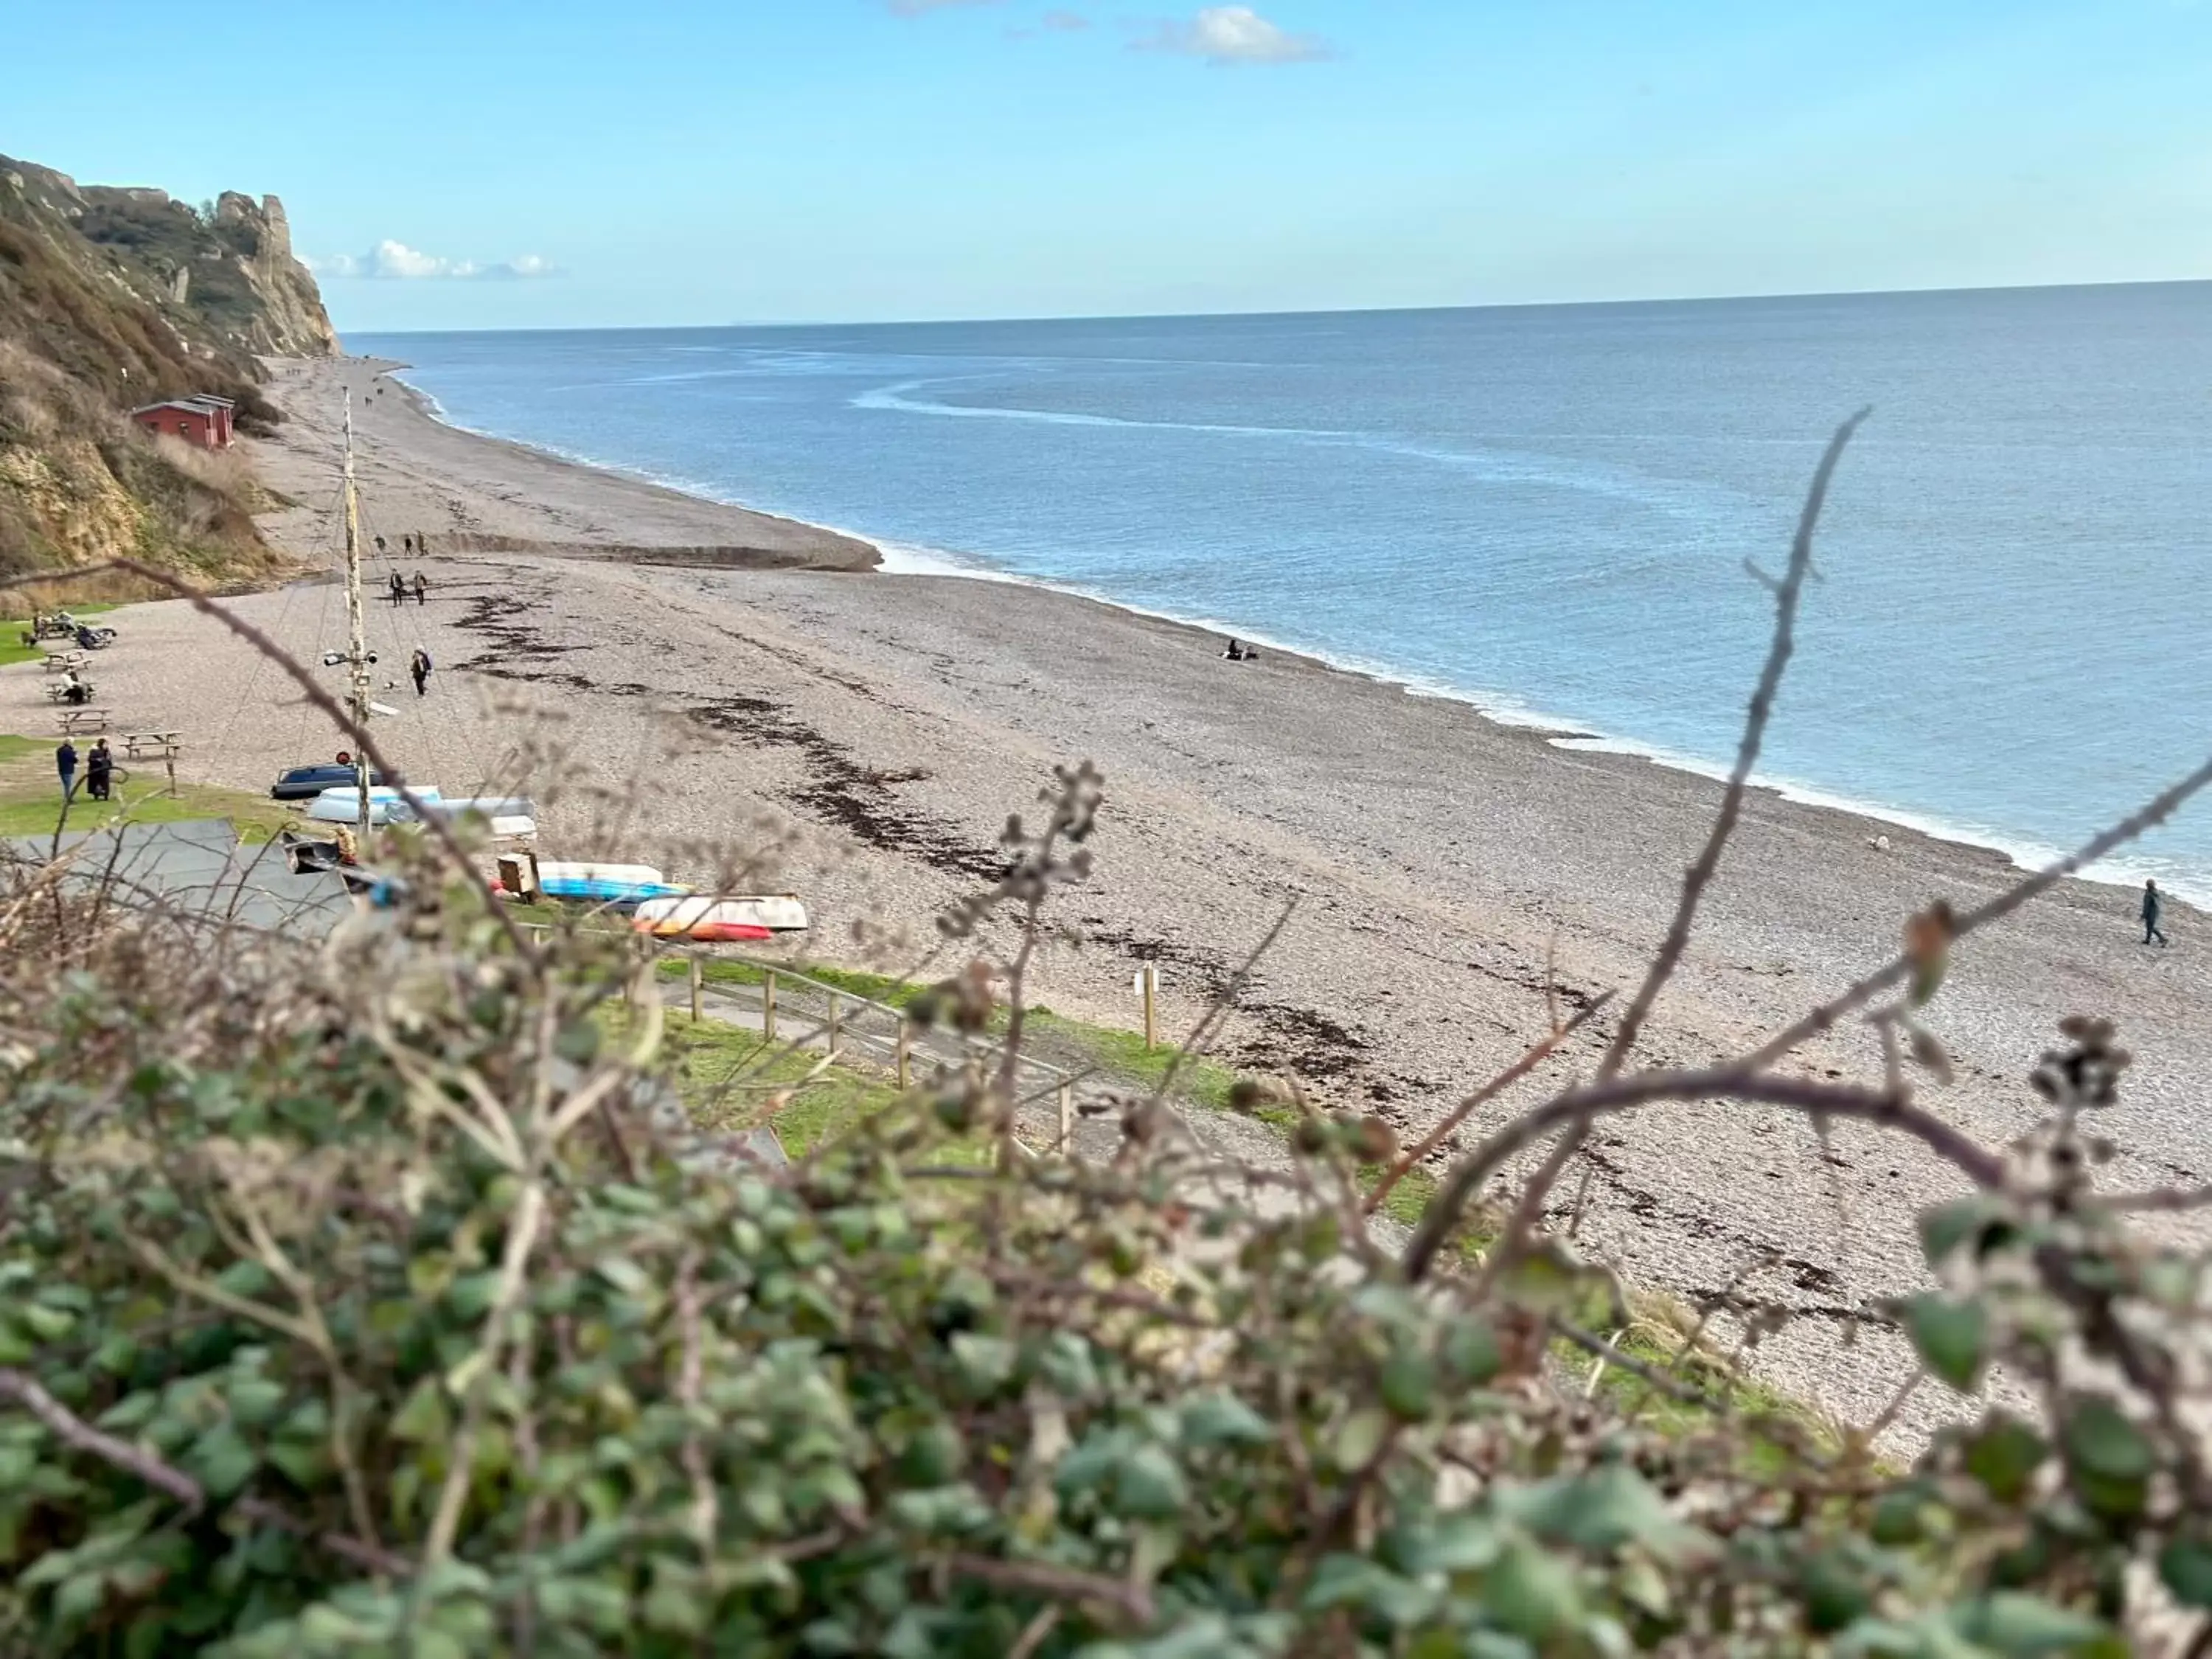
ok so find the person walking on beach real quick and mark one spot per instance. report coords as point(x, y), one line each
point(420, 668)
point(2152, 905)
point(100, 771)
point(65, 763)
point(422, 589)
point(397, 588)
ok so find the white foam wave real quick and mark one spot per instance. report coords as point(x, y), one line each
point(1674, 498)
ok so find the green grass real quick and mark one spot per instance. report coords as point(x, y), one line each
point(873, 987)
point(730, 1078)
point(13, 650)
point(31, 804)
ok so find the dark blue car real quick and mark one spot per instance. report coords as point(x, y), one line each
point(305, 782)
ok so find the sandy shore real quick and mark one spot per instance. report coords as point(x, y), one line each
point(876, 731)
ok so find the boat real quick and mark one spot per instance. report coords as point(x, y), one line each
point(606, 884)
point(386, 805)
point(509, 818)
point(707, 919)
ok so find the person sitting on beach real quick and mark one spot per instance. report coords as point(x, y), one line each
point(1235, 653)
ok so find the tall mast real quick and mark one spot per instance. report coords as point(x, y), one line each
point(357, 642)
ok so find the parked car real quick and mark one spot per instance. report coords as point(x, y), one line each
point(305, 782)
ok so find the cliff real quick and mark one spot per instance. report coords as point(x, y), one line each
point(110, 298)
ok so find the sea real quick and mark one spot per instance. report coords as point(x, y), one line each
point(1560, 514)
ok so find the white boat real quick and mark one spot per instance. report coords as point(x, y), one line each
point(509, 817)
point(386, 805)
point(710, 919)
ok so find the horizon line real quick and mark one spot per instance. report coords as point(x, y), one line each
point(1314, 311)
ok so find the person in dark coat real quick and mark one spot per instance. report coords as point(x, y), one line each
point(420, 668)
point(65, 763)
point(2152, 905)
point(100, 771)
point(397, 588)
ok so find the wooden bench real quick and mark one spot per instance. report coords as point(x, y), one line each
point(83, 722)
point(151, 745)
point(60, 662)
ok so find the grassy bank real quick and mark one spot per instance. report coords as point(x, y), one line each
point(31, 804)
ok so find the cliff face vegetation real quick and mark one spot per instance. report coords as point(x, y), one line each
point(114, 298)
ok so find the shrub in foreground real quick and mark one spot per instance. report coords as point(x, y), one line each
point(373, 1302)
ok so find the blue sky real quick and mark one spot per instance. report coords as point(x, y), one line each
point(477, 163)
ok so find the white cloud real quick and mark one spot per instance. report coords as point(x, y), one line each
point(1064, 22)
point(917, 7)
point(1236, 35)
point(394, 261)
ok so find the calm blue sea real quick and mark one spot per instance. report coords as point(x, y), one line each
point(1546, 511)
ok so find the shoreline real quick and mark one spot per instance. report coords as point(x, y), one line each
point(896, 559)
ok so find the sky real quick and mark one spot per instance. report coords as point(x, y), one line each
point(484, 164)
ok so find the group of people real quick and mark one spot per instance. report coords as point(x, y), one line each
point(397, 588)
point(99, 770)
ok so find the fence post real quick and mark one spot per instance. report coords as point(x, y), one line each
point(905, 1055)
point(1152, 982)
point(837, 1017)
point(1066, 1118)
point(767, 1005)
point(698, 982)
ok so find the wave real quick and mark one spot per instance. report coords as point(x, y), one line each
point(1691, 503)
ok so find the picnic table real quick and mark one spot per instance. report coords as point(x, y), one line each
point(60, 662)
point(151, 745)
point(83, 722)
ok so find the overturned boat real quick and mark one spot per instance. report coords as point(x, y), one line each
point(707, 919)
point(386, 805)
point(623, 884)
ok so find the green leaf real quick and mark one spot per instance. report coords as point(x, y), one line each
point(2100, 1441)
point(1408, 1385)
point(1471, 1354)
point(424, 1418)
point(222, 1460)
point(985, 1361)
point(1455, 1543)
point(1532, 1593)
point(2185, 1564)
point(2020, 1626)
point(2004, 1457)
point(1602, 1511)
point(1223, 1420)
point(1358, 1440)
point(1945, 1227)
point(1148, 1485)
point(1835, 1595)
point(1952, 1337)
